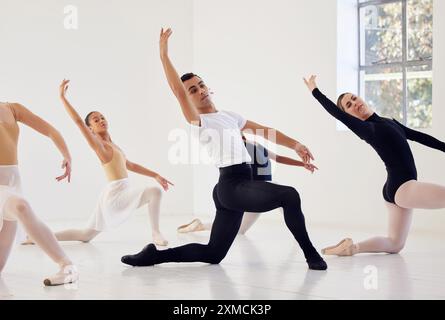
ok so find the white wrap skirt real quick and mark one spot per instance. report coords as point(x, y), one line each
point(115, 205)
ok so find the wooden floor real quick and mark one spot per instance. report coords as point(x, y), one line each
point(265, 264)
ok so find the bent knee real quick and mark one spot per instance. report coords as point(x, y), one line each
point(291, 194)
point(18, 207)
point(89, 235)
point(215, 256)
point(215, 260)
point(397, 247)
point(154, 193)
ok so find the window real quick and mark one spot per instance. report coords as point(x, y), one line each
point(396, 58)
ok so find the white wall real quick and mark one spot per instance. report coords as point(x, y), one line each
point(113, 63)
point(254, 53)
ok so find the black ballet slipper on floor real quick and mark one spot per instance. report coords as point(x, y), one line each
point(145, 258)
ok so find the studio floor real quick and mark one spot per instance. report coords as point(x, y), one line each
point(264, 264)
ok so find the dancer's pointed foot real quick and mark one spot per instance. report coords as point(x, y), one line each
point(316, 262)
point(194, 226)
point(67, 274)
point(159, 240)
point(145, 258)
point(27, 242)
point(344, 248)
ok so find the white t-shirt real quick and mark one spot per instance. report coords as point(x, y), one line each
point(220, 133)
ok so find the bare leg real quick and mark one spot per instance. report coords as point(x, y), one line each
point(399, 223)
point(44, 238)
point(418, 195)
point(152, 197)
point(249, 219)
point(7, 237)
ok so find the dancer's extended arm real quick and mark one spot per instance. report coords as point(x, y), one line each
point(422, 138)
point(136, 168)
point(25, 116)
point(174, 81)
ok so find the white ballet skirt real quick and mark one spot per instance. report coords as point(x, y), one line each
point(115, 205)
point(10, 186)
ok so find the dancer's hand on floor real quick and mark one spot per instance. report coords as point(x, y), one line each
point(311, 84)
point(163, 41)
point(66, 164)
point(304, 153)
point(163, 182)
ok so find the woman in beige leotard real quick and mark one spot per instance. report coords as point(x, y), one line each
point(13, 206)
point(119, 199)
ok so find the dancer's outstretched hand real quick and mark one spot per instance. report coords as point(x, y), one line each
point(63, 88)
point(311, 84)
point(66, 164)
point(163, 41)
point(304, 153)
point(163, 182)
point(310, 167)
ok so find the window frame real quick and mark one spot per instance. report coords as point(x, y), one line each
point(404, 65)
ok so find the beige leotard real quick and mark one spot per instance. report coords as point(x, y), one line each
point(116, 169)
point(9, 136)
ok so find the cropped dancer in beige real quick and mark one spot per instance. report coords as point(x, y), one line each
point(118, 200)
point(13, 206)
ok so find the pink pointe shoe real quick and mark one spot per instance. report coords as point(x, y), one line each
point(345, 248)
point(194, 226)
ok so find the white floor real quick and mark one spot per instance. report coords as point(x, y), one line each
point(265, 264)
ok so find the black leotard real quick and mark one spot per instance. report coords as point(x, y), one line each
point(389, 139)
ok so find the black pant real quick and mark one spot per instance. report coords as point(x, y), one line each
point(234, 194)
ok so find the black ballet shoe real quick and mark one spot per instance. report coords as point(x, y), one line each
point(145, 258)
point(316, 262)
point(317, 265)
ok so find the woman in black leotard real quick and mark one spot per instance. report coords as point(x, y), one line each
point(402, 192)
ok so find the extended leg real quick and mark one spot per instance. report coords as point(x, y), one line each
point(44, 238)
point(84, 235)
point(224, 230)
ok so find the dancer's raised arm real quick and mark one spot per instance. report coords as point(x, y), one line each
point(189, 111)
point(358, 126)
point(93, 141)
